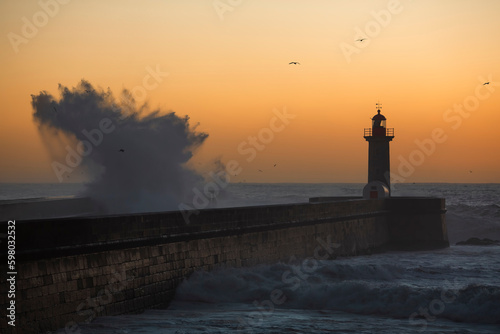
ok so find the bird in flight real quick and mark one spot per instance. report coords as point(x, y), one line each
point(294, 63)
point(486, 83)
point(260, 170)
point(275, 165)
point(121, 150)
point(360, 40)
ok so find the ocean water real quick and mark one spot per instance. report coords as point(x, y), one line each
point(14, 191)
point(453, 290)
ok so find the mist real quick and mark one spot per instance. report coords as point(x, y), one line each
point(134, 159)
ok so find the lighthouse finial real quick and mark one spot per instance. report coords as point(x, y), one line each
point(379, 106)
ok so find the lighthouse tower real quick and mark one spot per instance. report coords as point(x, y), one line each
point(378, 138)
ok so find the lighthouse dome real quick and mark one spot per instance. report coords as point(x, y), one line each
point(379, 116)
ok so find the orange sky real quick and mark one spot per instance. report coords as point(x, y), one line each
point(227, 64)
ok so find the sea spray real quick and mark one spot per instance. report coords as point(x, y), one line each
point(135, 159)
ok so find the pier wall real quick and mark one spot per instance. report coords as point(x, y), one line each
point(69, 271)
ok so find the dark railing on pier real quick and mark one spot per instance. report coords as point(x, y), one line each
point(388, 132)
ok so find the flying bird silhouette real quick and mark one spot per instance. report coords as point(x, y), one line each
point(294, 63)
point(275, 165)
point(260, 170)
point(486, 83)
point(121, 150)
point(360, 40)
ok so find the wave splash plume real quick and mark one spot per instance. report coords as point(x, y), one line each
point(136, 159)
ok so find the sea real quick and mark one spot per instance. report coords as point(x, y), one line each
point(452, 290)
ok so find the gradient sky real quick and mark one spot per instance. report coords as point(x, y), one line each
point(227, 64)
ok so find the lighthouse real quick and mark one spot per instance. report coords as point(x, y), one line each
point(378, 138)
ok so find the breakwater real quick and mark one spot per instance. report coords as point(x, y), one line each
point(71, 270)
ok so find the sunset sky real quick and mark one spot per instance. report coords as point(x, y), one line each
point(425, 61)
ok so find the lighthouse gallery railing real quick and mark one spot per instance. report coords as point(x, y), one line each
point(388, 132)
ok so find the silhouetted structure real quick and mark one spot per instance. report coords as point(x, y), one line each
point(378, 137)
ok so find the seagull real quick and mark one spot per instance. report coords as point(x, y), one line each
point(121, 150)
point(486, 83)
point(260, 170)
point(274, 165)
point(360, 40)
point(294, 63)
